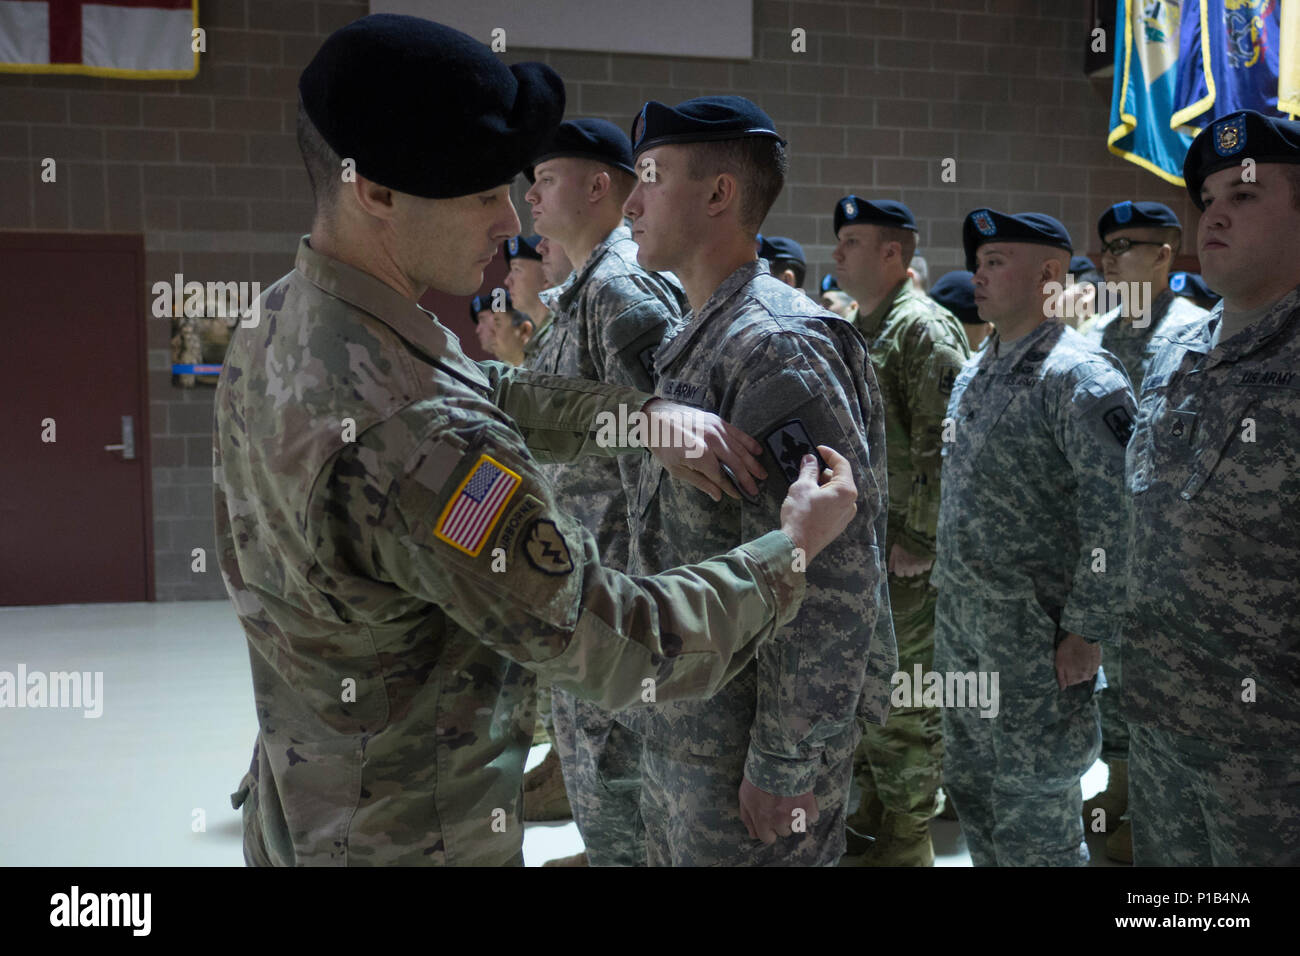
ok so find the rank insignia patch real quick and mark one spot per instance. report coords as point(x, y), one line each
point(476, 506)
point(1120, 424)
point(788, 443)
point(546, 549)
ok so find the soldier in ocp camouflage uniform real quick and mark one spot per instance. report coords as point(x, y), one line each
point(1139, 241)
point(1030, 566)
point(917, 350)
point(1212, 643)
point(610, 317)
point(394, 555)
point(760, 761)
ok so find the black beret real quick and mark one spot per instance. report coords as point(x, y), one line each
point(779, 247)
point(1081, 264)
point(425, 109)
point(1192, 286)
point(829, 283)
point(1237, 136)
point(1129, 215)
point(522, 247)
point(986, 225)
point(596, 139)
point(854, 210)
point(483, 303)
point(955, 291)
point(704, 119)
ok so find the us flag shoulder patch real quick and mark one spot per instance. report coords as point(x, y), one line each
point(476, 506)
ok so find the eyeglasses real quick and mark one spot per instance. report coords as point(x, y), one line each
point(1117, 247)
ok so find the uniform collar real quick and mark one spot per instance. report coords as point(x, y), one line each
point(871, 324)
point(692, 322)
point(418, 326)
point(1282, 315)
point(1015, 351)
point(569, 291)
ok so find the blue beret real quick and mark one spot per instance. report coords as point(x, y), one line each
point(1129, 215)
point(1237, 136)
point(829, 283)
point(596, 139)
point(779, 247)
point(854, 210)
point(701, 120)
point(1081, 264)
point(522, 247)
point(425, 109)
point(955, 291)
point(986, 225)
point(483, 303)
point(1191, 286)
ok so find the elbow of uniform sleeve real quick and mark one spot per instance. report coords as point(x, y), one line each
point(774, 555)
point(780, 775)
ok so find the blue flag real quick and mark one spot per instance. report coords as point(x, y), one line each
point(1142, 99)
point(1228, 60)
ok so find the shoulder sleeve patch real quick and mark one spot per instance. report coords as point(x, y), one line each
point(546, 549)
point(788, 443)
point(476, 506)
point(1120, 423)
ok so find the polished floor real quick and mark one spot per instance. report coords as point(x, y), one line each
point(148, 781)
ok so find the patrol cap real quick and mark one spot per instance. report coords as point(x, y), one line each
point(1129, 215)
point(522, 247)
point(1191, 286)
point(828, 282)
point(426, 109)
point(1036, 228)
point(779, 247)
point(1244, 134)
point(701, 120)
point(596, 139)
point(1081, 264)
point(955, 291)
point(854, 210)
point(483, 303)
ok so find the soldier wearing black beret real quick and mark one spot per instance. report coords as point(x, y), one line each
point(785, 257)
point(1210, 650)
point(955, 291)
point(392, 549)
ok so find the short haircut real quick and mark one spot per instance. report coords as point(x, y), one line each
point(1292, 174)
point(921, 268)
point(798, 268)
point(838, 296)
point(518, 318)
point(324, 166)
point(906, 238)
point(1173, 236)
point(759, 164)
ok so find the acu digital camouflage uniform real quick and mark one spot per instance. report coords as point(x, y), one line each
point(1134, 347)
point(917, 350)
point(534, 344)
point(793, 375)
point(610, 317)
point(1212, 643)
point(1032, 486)
point(393, 670)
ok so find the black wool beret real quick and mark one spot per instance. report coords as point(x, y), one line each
point(854, 211)
point(522, 247)
point(829, 283)
point(596, 139)
point(1036, 228)
point(425, 109)
point(1130, 215)
point(1245, 134)
point(1081, 264)
point(701, 120)
point(1191, 286)
point(955, 291)
point(779, 247)
point(483, 303)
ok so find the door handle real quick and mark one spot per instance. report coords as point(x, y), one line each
point(127, 447)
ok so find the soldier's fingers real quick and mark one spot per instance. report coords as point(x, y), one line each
point(814, 812)
point(744, 451)
point(693, 477)
point(765, 831)
point(745, 819)
point(781, 824)
point(841, 470)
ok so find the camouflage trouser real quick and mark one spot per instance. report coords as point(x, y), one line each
point(900, 762)
point(544, 716)
point(691, 806)
point(600, 759)
point(1114, 728)
point(1015, 777)
point(1195, 803)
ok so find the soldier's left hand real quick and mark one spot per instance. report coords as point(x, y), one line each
point(1076, 661)
point(905, 564)
point(693, 445)
point(767, 816)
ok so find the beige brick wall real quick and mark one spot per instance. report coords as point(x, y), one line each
point(208, 171)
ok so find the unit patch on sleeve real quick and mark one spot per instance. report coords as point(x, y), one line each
point(476, 506)
point(1120, 423)
point(788, 443)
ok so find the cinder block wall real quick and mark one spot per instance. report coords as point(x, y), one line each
point(208, 170)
